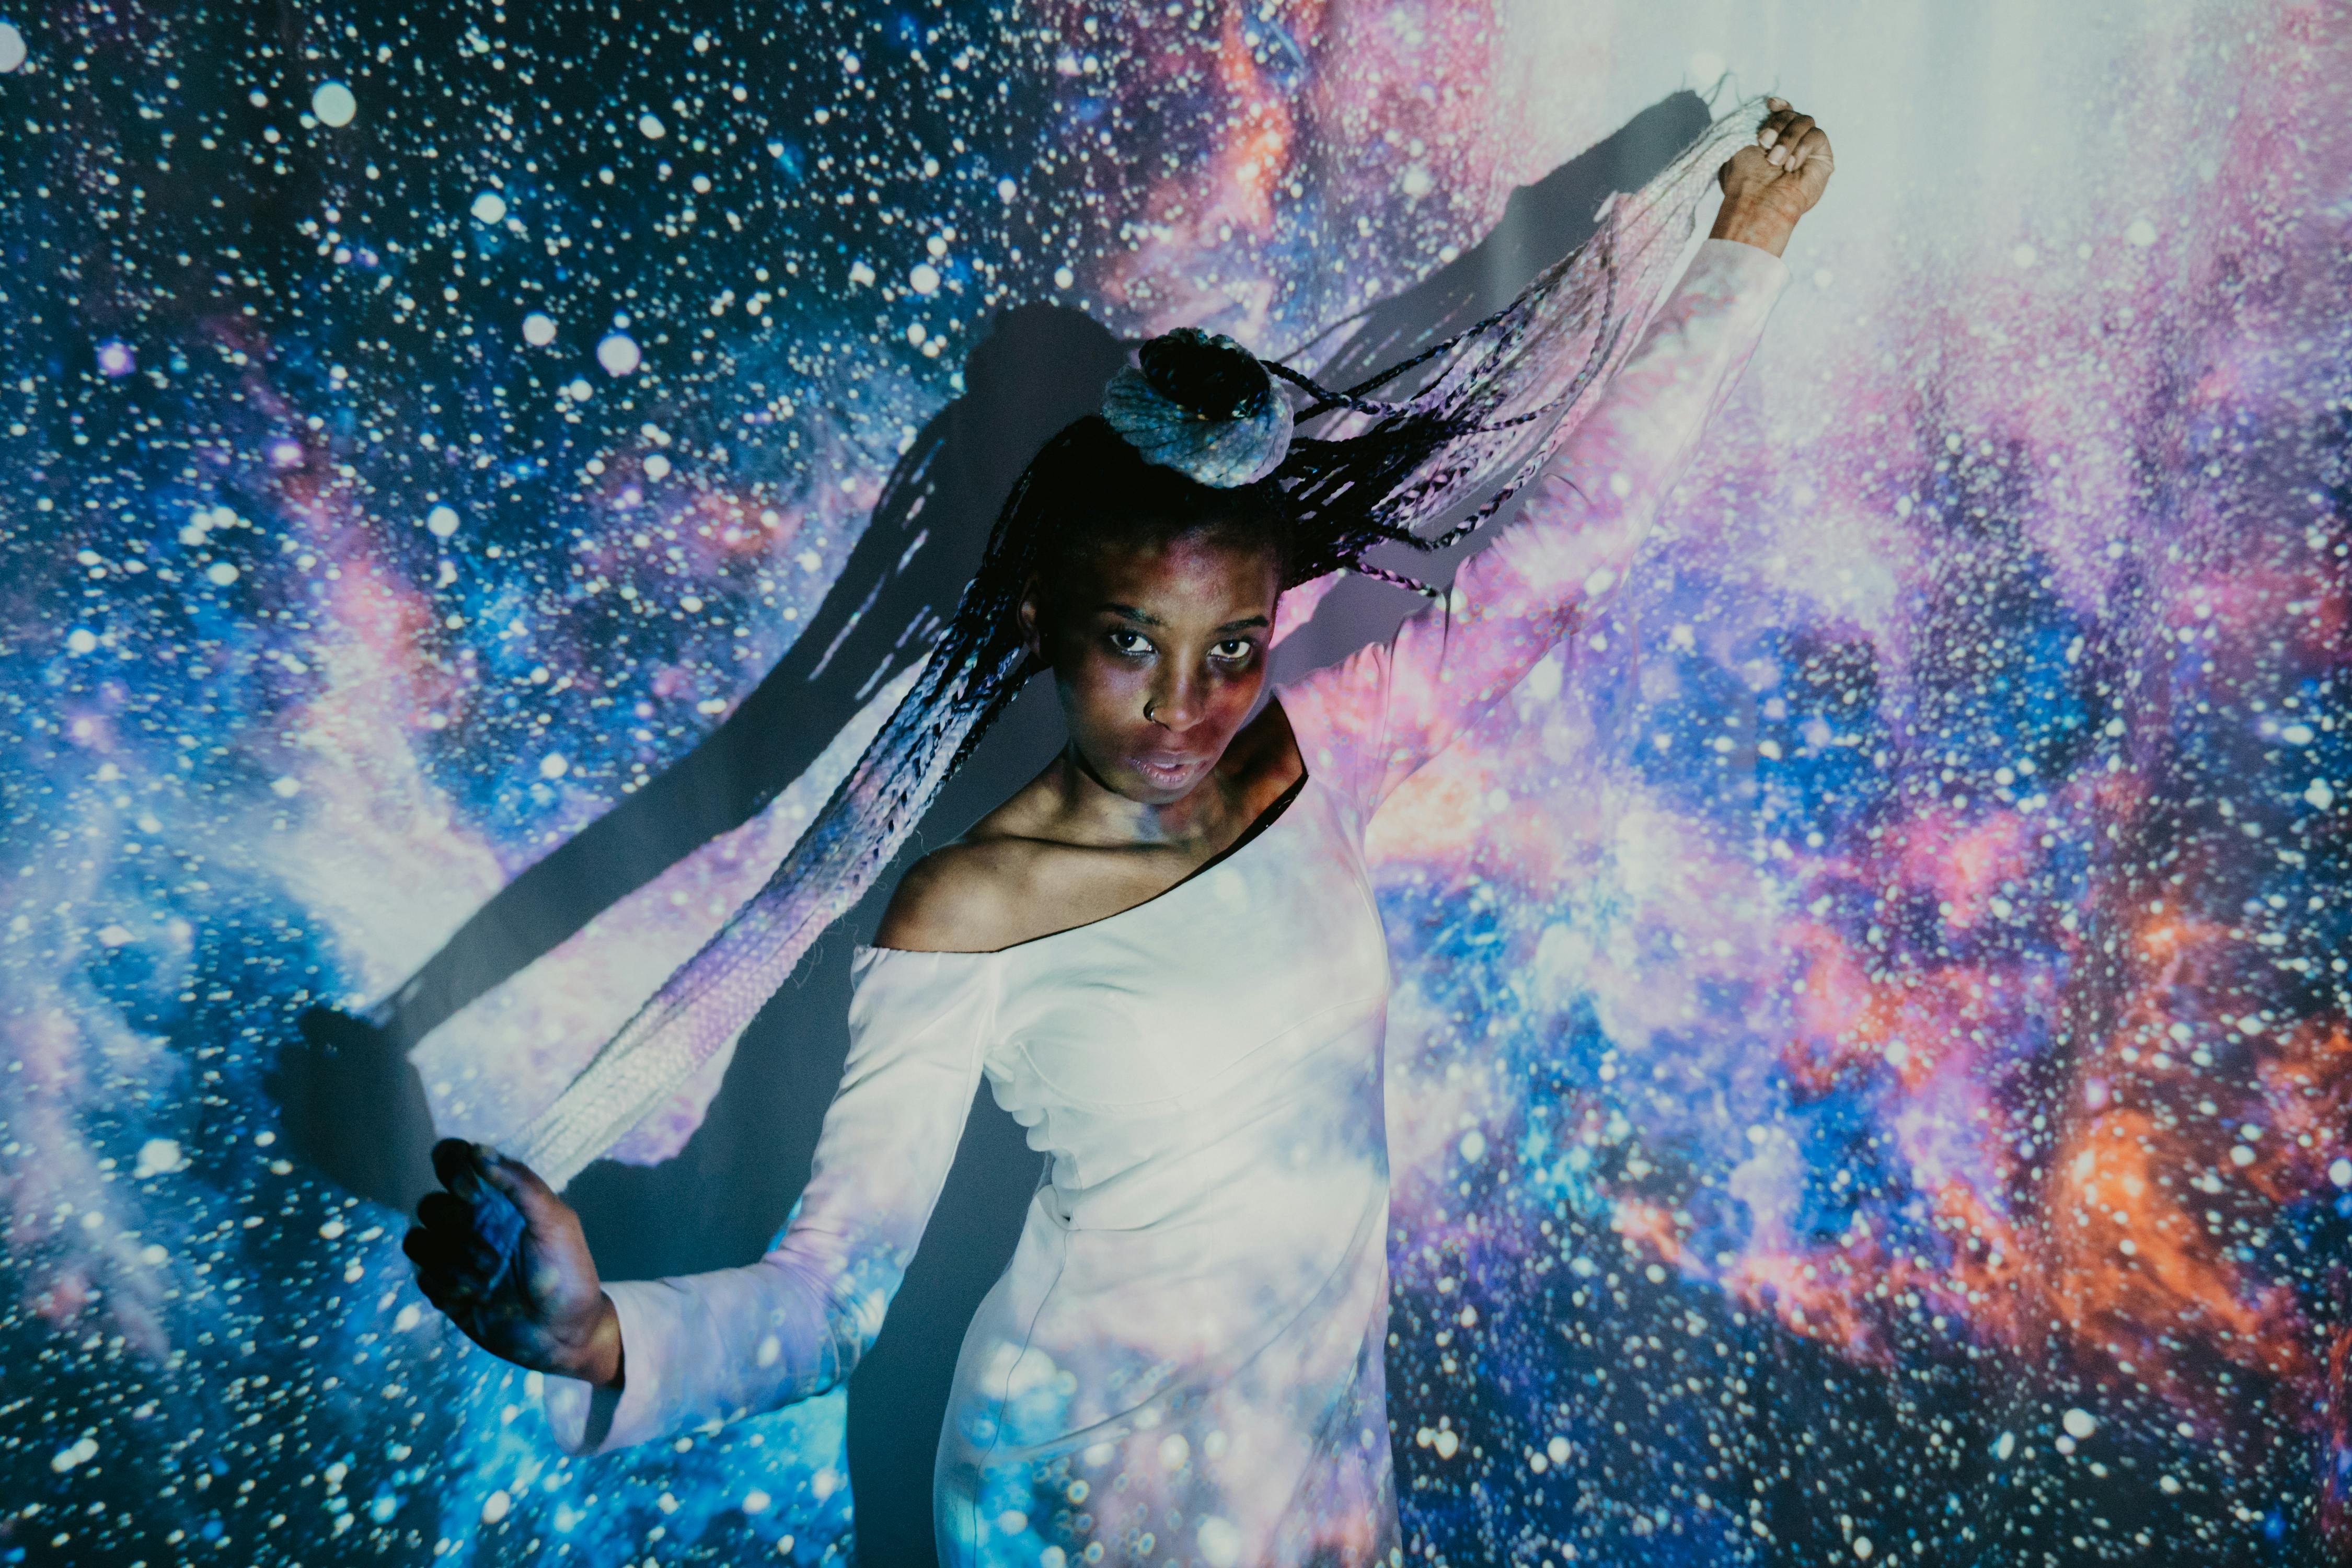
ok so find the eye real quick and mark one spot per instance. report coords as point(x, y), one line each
point(1140, 644)
point(1234, 650)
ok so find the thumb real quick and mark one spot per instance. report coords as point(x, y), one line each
point(519, 1183)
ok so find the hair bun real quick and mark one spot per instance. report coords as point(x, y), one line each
point(1202, 405)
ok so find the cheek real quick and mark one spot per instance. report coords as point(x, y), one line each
point(1230, 698)
point(1097, 689)
point(1234, 694)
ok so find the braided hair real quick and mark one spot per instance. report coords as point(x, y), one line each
point(1200, 433)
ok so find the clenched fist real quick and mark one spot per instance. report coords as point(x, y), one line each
point(1768, 186)
point(504, 1257)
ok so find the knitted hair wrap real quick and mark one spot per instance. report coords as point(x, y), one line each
point(1478, 417)
point(1203, 406)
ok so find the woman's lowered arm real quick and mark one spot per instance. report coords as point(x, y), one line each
point(637, 1360)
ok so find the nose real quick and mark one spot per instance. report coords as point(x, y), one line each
point(1176, 701)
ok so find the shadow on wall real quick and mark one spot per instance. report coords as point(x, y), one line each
point(353, 1107)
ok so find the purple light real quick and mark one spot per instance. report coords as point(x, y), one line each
point(115, 358)
point(286, 454)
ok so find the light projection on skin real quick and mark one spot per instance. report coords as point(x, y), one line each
point(1869, 1060)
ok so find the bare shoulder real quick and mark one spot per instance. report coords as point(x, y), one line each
point(1018, 874)
point(959, 898)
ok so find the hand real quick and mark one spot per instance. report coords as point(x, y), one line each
point(504, 1257)
point(1767, 187)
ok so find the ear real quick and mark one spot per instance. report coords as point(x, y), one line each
point(1033, 617)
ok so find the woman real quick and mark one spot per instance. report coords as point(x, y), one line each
point(1164, 956)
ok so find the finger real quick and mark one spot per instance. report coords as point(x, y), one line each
point(464, 1245)
point(1792, 130)
point(1772, 128)
point(433, 1249)
point(454, 1163)
point(1812, 157)
point(440, 1286)
point(445, 1211)
point(1790, 135)
point(537, 1200)
point(452, 1298)
point(458, 1256)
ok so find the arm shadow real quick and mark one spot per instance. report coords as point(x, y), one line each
point(350, 1105)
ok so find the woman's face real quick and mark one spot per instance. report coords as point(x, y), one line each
point(1158, 650)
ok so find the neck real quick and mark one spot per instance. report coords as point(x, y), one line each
point(1093, 811)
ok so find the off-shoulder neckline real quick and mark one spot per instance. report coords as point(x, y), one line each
point(1260, 828)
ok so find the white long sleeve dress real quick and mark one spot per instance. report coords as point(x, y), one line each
point(1182, 1362)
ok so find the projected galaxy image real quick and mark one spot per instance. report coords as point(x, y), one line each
point(1869, 1065)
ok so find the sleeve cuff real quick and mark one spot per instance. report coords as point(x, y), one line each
point(1734, 267)
point(588, 1420)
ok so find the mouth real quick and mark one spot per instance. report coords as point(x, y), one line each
point(1162, 770)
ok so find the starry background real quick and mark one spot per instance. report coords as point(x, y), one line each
point(1871, 1062)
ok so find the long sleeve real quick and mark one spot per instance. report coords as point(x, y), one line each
point(738, 1341)
point(1367, 723)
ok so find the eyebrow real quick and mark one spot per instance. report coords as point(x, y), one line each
point(1132, 613)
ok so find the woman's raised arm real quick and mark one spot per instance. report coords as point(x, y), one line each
point(1369, 721)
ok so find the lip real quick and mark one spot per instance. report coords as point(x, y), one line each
point(1167, 768)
